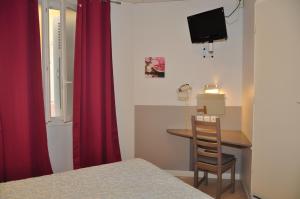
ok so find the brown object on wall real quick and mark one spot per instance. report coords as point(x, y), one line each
point(232, 138)
point(202, 110)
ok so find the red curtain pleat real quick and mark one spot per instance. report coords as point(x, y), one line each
point(95, 134)
point(23, 139)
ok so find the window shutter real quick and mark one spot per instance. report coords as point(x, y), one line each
point(70, 26)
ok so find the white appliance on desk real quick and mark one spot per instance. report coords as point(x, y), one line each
point(214, 103)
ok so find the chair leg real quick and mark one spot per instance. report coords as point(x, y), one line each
point(196, 177)
point(206, 178)
point(219, 186)
point(233, 178)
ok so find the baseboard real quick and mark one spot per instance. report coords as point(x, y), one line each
point(191, 174)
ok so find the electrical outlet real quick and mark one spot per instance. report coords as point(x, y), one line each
point(207, 118)
point(199, 117)
point(213, 118)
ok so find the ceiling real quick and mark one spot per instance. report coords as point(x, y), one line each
point(147, 1)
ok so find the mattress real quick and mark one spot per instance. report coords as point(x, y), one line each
point(131, 179)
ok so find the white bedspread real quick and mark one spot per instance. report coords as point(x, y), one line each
point(132, 179)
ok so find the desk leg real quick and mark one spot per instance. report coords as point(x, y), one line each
point(191, 155)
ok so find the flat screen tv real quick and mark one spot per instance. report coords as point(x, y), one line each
point(208, 26)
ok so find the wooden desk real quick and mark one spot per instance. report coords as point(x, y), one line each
point(228, 138)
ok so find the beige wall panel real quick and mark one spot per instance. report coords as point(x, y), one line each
point(154, 144)
point(276, 130)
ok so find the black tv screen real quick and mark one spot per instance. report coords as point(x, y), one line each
point(208, 26)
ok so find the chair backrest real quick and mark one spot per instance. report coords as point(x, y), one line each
point(210, 147)
point(202, 110)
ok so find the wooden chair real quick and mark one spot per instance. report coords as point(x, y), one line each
point(202, 110)
point(208, 155)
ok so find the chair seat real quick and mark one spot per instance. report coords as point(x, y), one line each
point(226, 158)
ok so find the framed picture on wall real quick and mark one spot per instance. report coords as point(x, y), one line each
point(155, 67)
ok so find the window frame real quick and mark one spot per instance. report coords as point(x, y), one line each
point(61, 5)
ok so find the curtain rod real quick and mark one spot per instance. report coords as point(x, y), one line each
point(116, 2)
point(113, 1)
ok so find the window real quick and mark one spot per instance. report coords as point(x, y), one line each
point(55, 63)
point(58, 22)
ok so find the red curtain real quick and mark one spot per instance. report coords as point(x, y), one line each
point(95, 134)
point(23, 140)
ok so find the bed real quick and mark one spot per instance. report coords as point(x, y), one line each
point(131, 179)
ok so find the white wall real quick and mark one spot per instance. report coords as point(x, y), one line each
point(60, 146)
point(248, 89)
point(276, 130)
point(60, 136)
point(248, 68)
point(121, 21)
point(161, 29)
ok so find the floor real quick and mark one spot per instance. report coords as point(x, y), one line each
point(210, 189)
